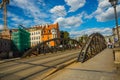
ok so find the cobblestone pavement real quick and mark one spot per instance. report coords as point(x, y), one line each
point(100, 67)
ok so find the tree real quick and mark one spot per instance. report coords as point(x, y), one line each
point(83, 38)
point(64, 34)
point(61, 34)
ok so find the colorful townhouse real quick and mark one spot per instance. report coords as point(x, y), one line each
point(40, 33)
point(50, 32)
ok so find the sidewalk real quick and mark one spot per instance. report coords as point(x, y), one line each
point(100, 67)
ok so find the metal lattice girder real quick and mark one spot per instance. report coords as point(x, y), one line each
point(60, 44)
point(95, 44)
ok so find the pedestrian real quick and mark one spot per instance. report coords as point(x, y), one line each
point(110, 45)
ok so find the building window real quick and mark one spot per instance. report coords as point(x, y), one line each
point(48, 31)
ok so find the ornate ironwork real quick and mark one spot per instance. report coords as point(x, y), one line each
point(95, 44)
point(59, 45)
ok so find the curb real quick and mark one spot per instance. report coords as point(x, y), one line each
point(61, 66)
point(54, 70)
point(8, 60)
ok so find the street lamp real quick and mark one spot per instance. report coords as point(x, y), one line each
point(114, 3)
point(3, 5)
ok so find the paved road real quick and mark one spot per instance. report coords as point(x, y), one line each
point(31, 68)
point(100, 67)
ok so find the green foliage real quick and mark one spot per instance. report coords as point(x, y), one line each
point(83, 38)
point(64, 34)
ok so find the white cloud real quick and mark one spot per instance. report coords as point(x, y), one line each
point(103, 31)
point(104, 11)
point(75, 4)
point(104, 4)
point(15, 17)
point(15, 20)
point(59, 10)
point(1, 26)
point(41, 2)
point(70, 22)
point(30, 9)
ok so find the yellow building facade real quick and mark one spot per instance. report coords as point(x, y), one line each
point(50, 32)
point(41, 33)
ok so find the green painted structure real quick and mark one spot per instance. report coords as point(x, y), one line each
point(20, 40)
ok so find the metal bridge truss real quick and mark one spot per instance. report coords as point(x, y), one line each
point(95, 44)
point(59, 45)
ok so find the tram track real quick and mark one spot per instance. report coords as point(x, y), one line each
point(30, 70)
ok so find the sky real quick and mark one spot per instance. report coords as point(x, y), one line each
point(78, 17)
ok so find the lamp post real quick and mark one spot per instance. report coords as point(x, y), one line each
point(3, 5)
point(114, 3)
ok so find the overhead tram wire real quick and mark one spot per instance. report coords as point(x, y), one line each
point(58, 9)
point(52, 5)
point(10, 7)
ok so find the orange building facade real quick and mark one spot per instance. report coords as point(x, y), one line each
point(50, 32)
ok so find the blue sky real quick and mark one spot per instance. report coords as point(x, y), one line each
point(78, 17)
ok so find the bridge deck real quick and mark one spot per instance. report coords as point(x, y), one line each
point(100, 67)
point(35, 67)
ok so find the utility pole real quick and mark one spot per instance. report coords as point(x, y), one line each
point(4, 6)
point(117, 27)
point(114, 4)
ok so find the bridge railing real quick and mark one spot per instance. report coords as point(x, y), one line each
point(95, 44)
point(59, 45)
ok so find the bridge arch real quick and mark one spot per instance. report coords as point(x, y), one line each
point(60, 44)
point(95, 44)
